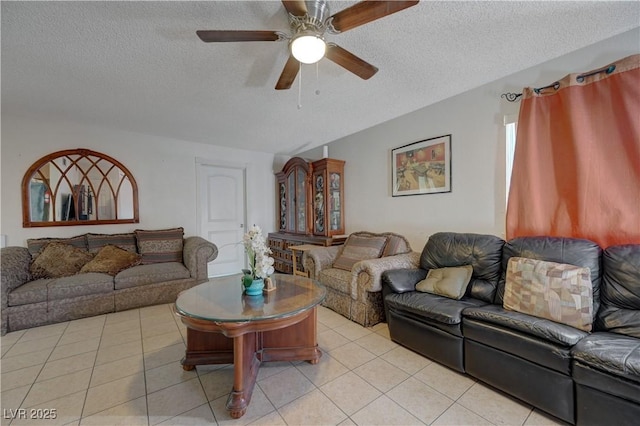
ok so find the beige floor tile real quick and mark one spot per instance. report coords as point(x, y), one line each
point(112, 394)
point(11, 338)
point(105, 373)
point(12, 399)
point(329, 340)
point(57, 387)
point(37, 345)
point(502, 409)
point(157, 328)
point(86, 323)
point(384, 411)
point(539, 418)
point(217, 383)
point(60, 411)
point(347, 422)
point(313, 408)
point(272, 419)
point(258, 408)
point(77, 348)
point(327, 369)
point(175, 400)
point(458, 415)
point(285, 387)
point(201, 415)
point(122, 316)
point(420, 400)
point(130, 413)
point(379, 327)
point(19, 378)
point(162, 340)
point(352, 330)
point(116, 352)
point(320, 327)
point(350, 392)
point(167, 375)
point(27, 360)
point(330, 318)
point(384, 332)
point(406, 360)
point(80, 335)
point(68, 365)
point(120, 338)
point(352, 355)
point(44, 332)
point(445, 380)
point(270, 368)
point(376, 344)
point(167, 355)
point(382, 375)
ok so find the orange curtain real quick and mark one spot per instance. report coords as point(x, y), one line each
point(576, 170)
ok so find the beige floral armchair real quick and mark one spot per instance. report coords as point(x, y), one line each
point(352, 271)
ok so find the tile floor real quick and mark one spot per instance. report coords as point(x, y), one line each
point(123, 368)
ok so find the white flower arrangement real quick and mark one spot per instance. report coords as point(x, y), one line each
point(258, 252)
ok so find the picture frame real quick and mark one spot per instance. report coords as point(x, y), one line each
point(422, 167)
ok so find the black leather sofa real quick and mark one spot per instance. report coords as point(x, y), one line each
point(577, 376)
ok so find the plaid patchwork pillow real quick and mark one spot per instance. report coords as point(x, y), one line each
point(395, 245)
point(554, 291)
point(160, 246)
point(358, 248)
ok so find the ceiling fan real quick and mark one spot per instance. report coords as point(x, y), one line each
point(309, 21)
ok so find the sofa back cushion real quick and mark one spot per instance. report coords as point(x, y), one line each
point(573, 251)
point(36, 245)
point(357, 248)
point(620, 291)
point(164, 245)
point(125, 241)
point(482, 252)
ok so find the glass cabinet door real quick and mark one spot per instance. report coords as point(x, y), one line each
point(301, 200)
point(335, 198)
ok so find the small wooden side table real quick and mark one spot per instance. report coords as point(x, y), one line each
point(302, 248)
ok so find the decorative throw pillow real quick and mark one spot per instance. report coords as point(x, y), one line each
point(358, 248)
point(395, 245)
point(111, 260)
point(36, 245)
point(555, 291)
point(95, 242)
point(160, 246)
point(448, 282)
point(59, 260)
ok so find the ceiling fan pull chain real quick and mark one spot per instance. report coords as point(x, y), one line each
point(300, 87)
point(317, 79)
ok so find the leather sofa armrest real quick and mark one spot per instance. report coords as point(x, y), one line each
point(403, 280)
point(196, 254)
point(14, 272)
point(374, 268)
point(317, 259)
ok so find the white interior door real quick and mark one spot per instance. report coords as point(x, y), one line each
point(221, 208)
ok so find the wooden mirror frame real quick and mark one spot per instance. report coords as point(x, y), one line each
point(74, 156)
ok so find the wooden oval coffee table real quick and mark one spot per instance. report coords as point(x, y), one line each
point(225, 326)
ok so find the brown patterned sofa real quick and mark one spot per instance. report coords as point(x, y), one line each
point(165, 263)
point(352, 271)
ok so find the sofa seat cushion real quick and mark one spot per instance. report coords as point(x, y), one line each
point(337, 279)
point(613, 353)
point(80, 285)
point(31, 292)
point(431, 307)
point(553, 332)
point(150, 274)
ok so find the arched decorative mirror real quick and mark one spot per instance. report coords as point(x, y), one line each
point(78, 187)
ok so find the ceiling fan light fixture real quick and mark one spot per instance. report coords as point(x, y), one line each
point(308, 48)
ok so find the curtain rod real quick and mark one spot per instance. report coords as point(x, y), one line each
point(512, 97)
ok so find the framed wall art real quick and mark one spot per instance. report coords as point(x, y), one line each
point(422, 167)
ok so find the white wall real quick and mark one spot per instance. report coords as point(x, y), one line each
point(475, 121)
point(164, 169)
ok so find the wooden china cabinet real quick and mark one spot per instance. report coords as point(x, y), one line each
point(310, 208)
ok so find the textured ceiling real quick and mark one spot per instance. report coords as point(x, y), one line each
point(139, 66)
